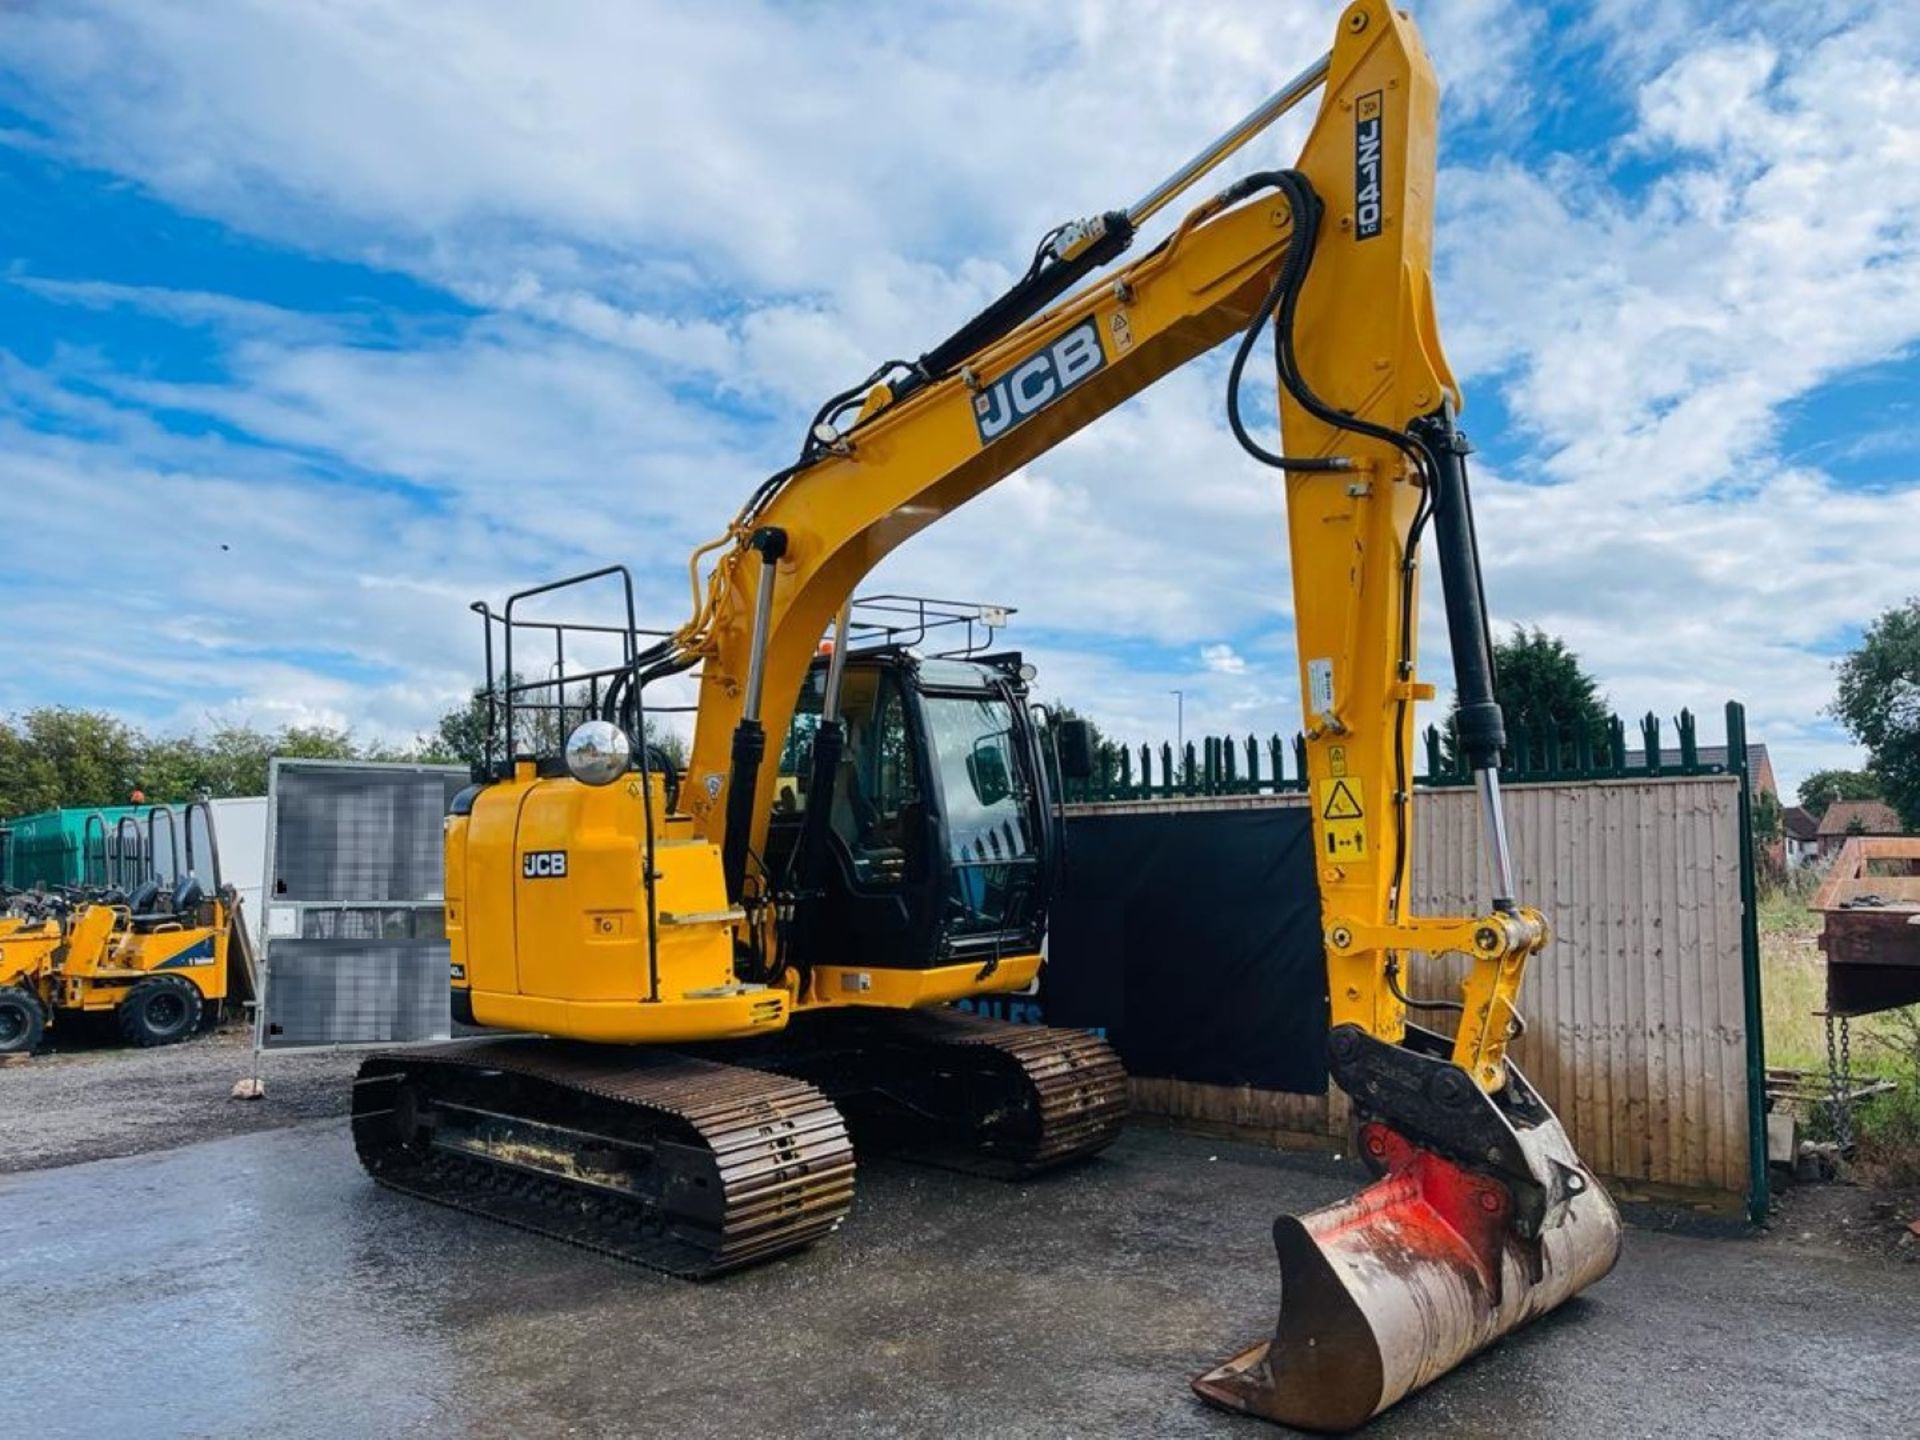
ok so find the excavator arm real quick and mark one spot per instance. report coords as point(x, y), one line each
point(1376, 456)
point(1484, 1216)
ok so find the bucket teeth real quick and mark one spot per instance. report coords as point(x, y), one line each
point(1388, 1290)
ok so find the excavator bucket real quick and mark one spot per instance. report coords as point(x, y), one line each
point(1387, 1291)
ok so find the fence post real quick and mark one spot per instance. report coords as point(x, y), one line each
point(1757, 1179)
point(1650, 734)
point(1690, 744)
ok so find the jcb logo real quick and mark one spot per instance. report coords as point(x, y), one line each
point(544, 865)
point(1038, 381)
point(1368, 184)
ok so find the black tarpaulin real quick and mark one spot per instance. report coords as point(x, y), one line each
point(1192, 938)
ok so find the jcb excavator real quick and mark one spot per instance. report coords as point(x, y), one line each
point(793, 938)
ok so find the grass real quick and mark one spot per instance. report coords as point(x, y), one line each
point(1793, 982)
point(1793, 988)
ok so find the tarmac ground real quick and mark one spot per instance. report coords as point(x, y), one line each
point(259, 1284)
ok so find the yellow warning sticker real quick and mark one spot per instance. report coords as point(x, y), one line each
point(1343, 818)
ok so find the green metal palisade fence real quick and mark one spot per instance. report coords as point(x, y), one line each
point(1249, 765)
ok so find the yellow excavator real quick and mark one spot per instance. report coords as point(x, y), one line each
point(731, 961)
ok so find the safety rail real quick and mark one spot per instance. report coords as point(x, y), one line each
point(907, 621)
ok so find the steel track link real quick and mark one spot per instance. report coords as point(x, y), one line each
point(1076, 1085)
point(744, 1165)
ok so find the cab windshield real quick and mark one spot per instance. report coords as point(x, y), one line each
point(984, 790)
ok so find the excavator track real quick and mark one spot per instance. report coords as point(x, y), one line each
point(677, 1163)
point(1068, 1091)
point(961, 1091)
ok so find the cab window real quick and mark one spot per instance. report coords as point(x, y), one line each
point(878, 814)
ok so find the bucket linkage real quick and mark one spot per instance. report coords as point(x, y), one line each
point(1483, 1219)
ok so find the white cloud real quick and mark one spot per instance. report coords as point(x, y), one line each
point(1222, 660)
point(678, 221)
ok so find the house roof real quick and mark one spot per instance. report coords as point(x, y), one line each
point(1800, 823)
point(1861, 817)
point(1759, 763)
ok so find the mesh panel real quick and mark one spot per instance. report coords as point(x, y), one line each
point(329, 992)
point(360, 834)
point(357, 859)
point(366, 922)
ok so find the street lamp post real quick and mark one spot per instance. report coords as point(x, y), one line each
point(1180, 724)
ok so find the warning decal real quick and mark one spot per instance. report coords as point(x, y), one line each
point(1343, 818)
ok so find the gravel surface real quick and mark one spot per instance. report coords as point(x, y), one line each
point(1074, 1305)
point(91, 1102)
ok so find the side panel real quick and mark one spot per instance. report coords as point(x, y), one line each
point(484, 918)
point(549, 905)
point(198, 954)
point(458, 959)
point(579, 913)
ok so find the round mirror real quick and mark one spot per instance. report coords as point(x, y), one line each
point(598, 753)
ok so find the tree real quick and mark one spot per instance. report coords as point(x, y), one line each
point(1878, 701)
point(1058, 712)
point(669, 743)
point(1823, 787)
point(460, 736)
point(174, 769)
point(236, 758)
point(1769, 825)
point(60, 758)
point(54, 756)
point(1542, 689)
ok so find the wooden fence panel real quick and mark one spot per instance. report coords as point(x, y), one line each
point(1636, 1013)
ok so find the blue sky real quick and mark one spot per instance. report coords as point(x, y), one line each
point(318, 322)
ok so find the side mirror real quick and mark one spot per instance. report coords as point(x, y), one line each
point(987, 772)
point(598, 752)
point(1074, 741)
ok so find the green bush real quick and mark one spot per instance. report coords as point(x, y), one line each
point(1889, 1125)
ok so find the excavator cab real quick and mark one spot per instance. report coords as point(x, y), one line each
point(942, 834)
